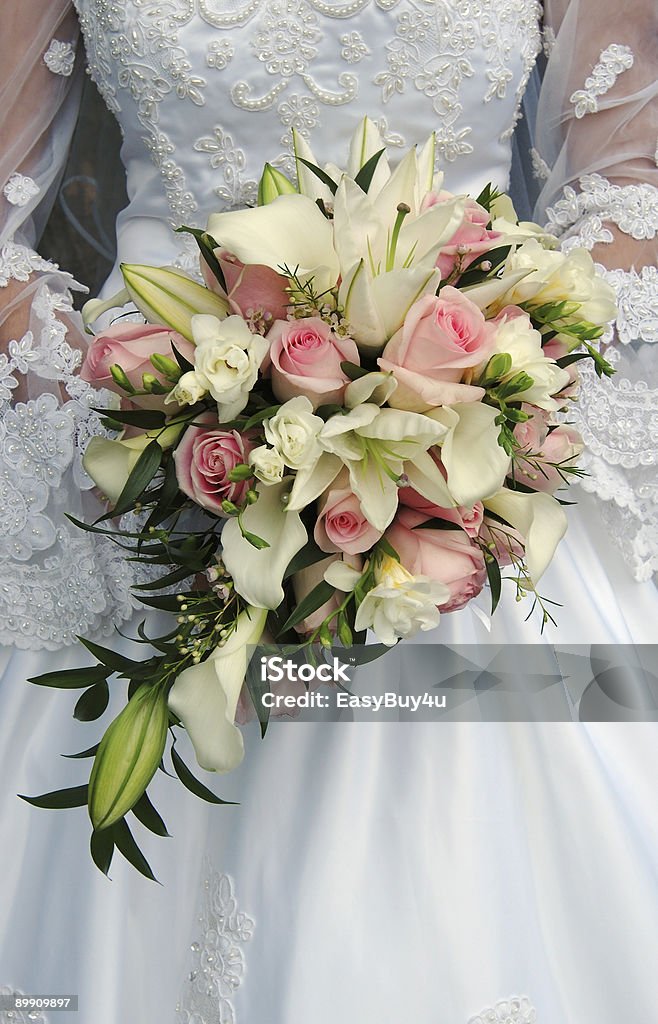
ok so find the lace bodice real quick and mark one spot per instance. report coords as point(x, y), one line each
point(206, 90)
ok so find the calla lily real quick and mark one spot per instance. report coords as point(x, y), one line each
point(109, 463)
point(166, 297)
point(540, 520)
point(258, 572)
point(471, 455)
point(205, 696)
point(290, 231)
point(96, 307)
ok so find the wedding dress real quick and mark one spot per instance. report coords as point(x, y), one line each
point(375, 870)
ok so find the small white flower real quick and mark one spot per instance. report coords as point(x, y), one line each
point(190, 389)
point(267, 464)
point(60, 58)
point(19, 189)
point(522, 342)
point(293, 431)
point(227, 357)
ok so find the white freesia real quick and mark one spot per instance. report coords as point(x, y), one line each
point(205, 696)
point(474, 461)
point(258, 573)
point(558, 277)
point(505, 221)
point(516, 336)
point(540, 520)
point(227, 357)
point(293, 432)
point(378, 446)
point(189, 389)
point(290, 231)
point(267, 464)
point(400, 604)
point(109, 462)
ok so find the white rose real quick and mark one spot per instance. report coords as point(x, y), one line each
point(293, 431)
point(517, 337)
point(190, 389)
point(228, 357)
point(556, 277)
point(267, 464)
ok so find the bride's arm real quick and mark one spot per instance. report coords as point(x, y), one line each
point(40, 83)
point(597, 148)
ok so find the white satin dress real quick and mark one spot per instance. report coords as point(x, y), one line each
point(375, 871)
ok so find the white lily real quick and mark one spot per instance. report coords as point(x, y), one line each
point(378, 446)
point(258, 572)
point(540, 520)
point(290, 231)
point(473, 459)
point(109, 462)
point(376, 387)
point(205, 696)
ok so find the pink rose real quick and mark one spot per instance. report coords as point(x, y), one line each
point(341, 524)
point(441, 339)
point(470, 519)
point(447, 556)
point(253, 291)
point(131, 347)
point(546, 451)
point(306, 357)
point(471, 239)
point(204, 458)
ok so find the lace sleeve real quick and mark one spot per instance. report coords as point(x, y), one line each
point(55, 581)
point(597, 152)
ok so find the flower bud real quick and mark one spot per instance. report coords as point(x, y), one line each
point(273, 184)
point(120, 377)
point(169, 368)
point(128, 756)
point(169, 298)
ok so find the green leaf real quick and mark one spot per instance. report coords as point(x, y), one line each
point(166, 581)
point(148, 419)
point(309, 555)
point(101, 847)
point(365, 175)
point(322, 175)
point(387, 548)
point(207, 245)
point(317, 597)
point(257, 542)
point(352, 370)
point(126, 844)
point(192, 783)
point(145, 812)
point(89, 752)
point(58, 799)
point(184, 363)
point(92, 703)
point(257, 688)
point(363, 654)
point(73, 678)
point(112, 659)
point(143, 472)
point(494, 577)
point(262, 414)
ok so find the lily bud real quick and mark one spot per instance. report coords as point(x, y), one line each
point(273, 183)
point(128, 756)
point(166, 297)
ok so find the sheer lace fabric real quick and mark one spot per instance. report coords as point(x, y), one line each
point(597, 149)
point(204, 91)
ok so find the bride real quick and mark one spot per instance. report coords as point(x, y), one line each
point(375, 871)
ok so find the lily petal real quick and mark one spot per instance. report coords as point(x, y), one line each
point(205, 696)
point(474, 461)
point(376, 387)
point(258, 572)
point(539, 518)
point(486, 293)
point(425, 477)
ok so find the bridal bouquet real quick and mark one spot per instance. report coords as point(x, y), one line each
point(354, 424)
